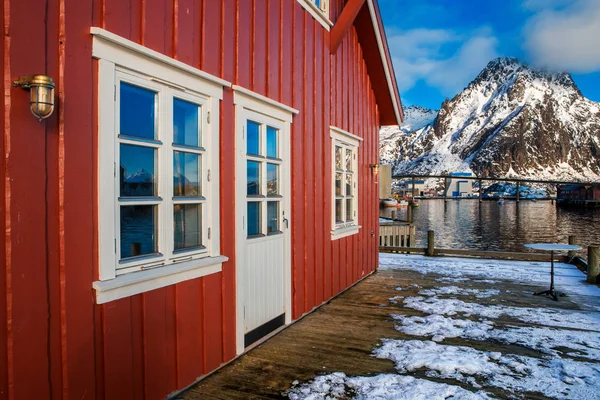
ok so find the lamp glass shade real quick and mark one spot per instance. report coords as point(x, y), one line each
point(41, 100)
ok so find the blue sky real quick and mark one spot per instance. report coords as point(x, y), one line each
point(439, 46)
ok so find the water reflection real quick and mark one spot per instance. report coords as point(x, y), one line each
point(468, 224)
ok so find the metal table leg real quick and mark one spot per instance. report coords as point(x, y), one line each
point(551, 291)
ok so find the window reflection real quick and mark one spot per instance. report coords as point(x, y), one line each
point(272, 179)
point(186, 174)
point(253, 182)
point(137, 111)
point(338, 184)
point(338, 157)
point(254, 218)
point(186, 129)
point(187, 225)
point(339, 213)
point(137, 170)
point(272, 142)
point(348, 185)
point(253, 138)
point(348, 160)
point(272, 216)
point(349, 211)
point(138, 230)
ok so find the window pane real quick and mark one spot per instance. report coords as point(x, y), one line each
point(348, 184)
point(272, 216)
point(272, 142)
point(186, 174)
point(338, 157)
point(339, 210)
point(272, 179)
point(349, 210)
point(138, 230)
point(338, 184)
point(253, 138)
point(348, 160)
point(137, 111)
point(187, 225)
point(254, 224)
point(186, 129)
point(253, 178)
point(137, 170)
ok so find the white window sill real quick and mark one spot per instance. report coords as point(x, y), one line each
point(317, 13)
point(144, 281)
point(344, 232)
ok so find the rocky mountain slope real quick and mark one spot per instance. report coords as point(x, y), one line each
point(511, 120)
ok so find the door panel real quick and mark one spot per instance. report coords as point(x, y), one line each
point(263, 242)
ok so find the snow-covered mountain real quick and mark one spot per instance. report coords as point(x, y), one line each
point(511, 120)
point(140, 176)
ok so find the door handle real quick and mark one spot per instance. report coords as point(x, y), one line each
point(286, 222)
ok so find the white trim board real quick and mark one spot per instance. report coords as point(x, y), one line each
point(257, 102)
point(317, 14)
point(110, 47)
point(140, 282)
point(345, 133)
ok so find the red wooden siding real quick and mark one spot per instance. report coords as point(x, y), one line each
point(55, 341)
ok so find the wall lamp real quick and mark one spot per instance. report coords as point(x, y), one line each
point(374, 168)
point(41, 94)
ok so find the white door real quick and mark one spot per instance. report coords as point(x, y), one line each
point(263, 219)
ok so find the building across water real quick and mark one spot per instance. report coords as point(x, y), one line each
point(459, 187)
point(579, 195)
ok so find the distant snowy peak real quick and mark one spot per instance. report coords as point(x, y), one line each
point(140, 176)
point(416, 119)
point(511, 120)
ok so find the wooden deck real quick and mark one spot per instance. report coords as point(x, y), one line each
point(340, 337)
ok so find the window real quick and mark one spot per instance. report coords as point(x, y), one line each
point(345, 183)
point(263, 166)
point(158, 170)
point(319, 9)
point(163, 174)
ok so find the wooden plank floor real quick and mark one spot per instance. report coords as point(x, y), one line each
point(341, 335)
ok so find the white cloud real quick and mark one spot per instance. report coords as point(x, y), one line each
point(565, 38)
point(442, 58)
point(453, 74)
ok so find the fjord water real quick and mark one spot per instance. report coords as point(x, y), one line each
point(469, 224)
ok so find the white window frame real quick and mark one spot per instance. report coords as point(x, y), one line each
point(346, 140)
point(120, 60)
point(320, 13)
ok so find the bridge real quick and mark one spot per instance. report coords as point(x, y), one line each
point(518, 181)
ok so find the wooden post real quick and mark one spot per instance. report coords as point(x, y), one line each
point(593, 264)
point(480, 190)
point(445, 188)
point(430, 243)
point(413, 188)
point(573, 241)
point(518, 190)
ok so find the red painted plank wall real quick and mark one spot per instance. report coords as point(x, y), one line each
point(54, 341)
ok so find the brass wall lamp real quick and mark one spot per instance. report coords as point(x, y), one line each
point(374, 168)
point(41, 94)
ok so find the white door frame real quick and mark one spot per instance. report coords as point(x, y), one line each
point(246, 101)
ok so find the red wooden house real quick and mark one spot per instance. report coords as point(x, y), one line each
point(206, 177)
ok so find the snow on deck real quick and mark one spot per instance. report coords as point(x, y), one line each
point(432, 328)
point(470, 340)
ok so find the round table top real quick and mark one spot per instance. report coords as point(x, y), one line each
point(552, 246)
